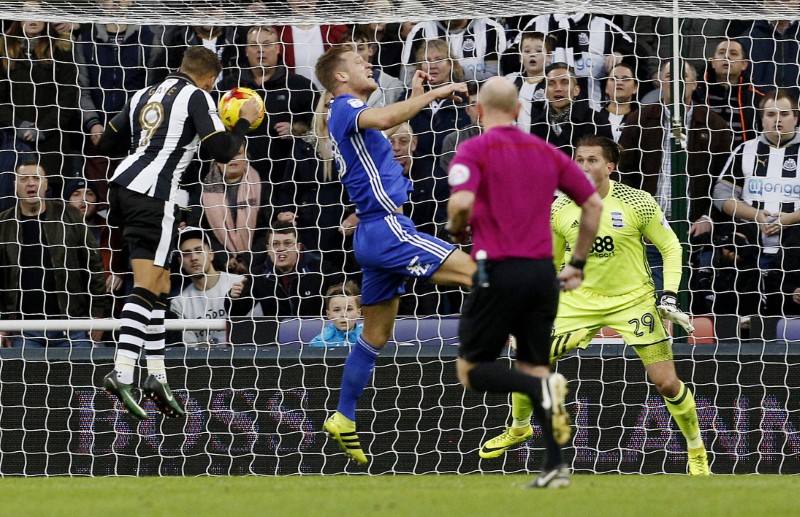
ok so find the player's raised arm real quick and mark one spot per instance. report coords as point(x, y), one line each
point(394, 114)
point(222, 145)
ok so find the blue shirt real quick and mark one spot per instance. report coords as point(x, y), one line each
point(364, 157)
point(331, 336)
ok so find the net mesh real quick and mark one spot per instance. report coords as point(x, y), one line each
point(259, 410)
point(353, 11)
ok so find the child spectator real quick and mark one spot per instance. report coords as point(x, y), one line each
point(536, 52)
point(342, 307)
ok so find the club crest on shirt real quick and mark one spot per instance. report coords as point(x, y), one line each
point(790, 165)
point(416, 268)
point(355, 103)
point(468, 45)
point(583, 39)
point(458, 175)
point(616, 220)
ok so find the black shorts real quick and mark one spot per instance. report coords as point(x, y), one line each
point(149, 225)
point(522, 299)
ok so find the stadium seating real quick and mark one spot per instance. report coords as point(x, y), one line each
point(426, 331)
point(788, 329)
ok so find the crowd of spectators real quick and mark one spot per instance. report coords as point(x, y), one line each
point(270, 232)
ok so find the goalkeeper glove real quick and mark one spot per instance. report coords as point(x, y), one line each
point(668, 310)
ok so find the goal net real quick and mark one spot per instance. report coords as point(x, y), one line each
point(279, 226)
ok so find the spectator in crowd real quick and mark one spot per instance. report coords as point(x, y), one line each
point(115, 60)
point(729, 92)
point(427, 209)
point(535, 53)
point(646, 161)
point(325, 219)
point(476, 44)
point(288, 99)
point(67, 30)
point(591, 44)
point(759, 187)
point(390, 89)
point(85, 197)
point(697, 38)
point(292, 283)
point(211, 294)
point(39, 95)
point(388, 39)
point(621, 89)
point(342, 308)
point(303, 44)
point(653, 84)
point(49, 264)
point(773, 48)
point(728, 277)
point(451, 141)
point(428, 199)
point(178, 38)
point(566, 118)
point(783, 291)
point(233, 209)
point(440, 118)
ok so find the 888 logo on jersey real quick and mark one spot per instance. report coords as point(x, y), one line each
point(603, 246)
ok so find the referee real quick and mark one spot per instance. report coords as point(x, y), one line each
point(162, 127)
point(503, 184)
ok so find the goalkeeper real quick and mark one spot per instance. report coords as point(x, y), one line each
point(618, 292)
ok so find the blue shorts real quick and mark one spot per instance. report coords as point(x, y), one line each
point(389, 250)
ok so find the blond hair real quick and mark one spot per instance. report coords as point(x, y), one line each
point(456, 72)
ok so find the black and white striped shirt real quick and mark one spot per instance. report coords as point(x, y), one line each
point(477, 47)
point(767, 176)
point(166, 123)
point(583, 41)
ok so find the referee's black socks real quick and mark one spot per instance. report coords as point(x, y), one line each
point(499, 378)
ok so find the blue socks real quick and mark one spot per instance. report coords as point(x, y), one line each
point(357, 373)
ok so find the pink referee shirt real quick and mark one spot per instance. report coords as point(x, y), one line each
point(514, 176)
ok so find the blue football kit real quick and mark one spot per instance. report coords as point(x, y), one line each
point(386, 243)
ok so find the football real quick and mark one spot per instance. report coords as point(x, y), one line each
point(231, 103)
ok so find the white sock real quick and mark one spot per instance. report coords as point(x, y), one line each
point(124, 366)
point(155, 367)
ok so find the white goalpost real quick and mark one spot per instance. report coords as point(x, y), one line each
point(257, 406)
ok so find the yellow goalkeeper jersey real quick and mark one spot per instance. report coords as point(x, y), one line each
point(617, 264)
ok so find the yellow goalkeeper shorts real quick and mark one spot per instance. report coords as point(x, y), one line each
point(636, 321)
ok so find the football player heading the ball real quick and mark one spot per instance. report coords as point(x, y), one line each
point(624, 302)
point(159, 131)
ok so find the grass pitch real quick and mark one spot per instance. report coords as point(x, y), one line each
point(465, 495)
